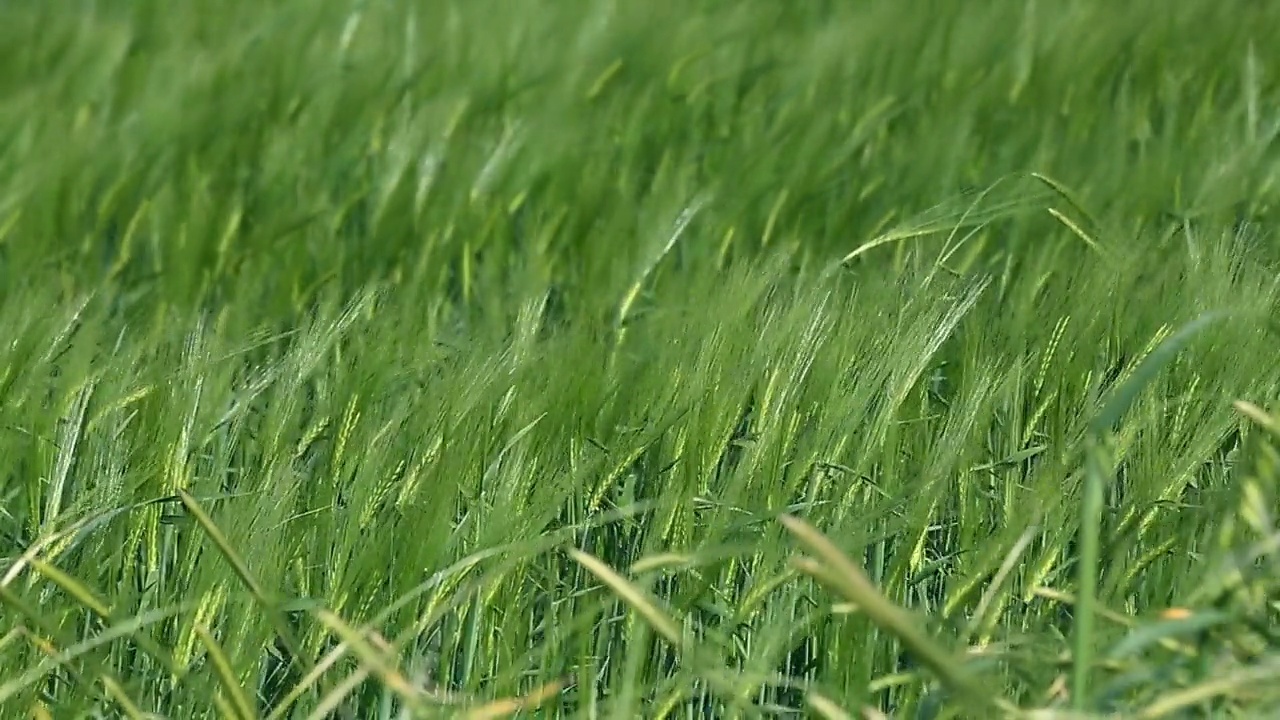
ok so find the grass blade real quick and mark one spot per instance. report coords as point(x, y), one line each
point(127, 706)
point(379, 663)
point(240, 703)
point(1087, 574)
point(1124, 395)
point(119, 630)
point(511, 706)
point(638, 599)
point(854, 585)
point(241, 569)
point(825, 707)
point(1172, 703)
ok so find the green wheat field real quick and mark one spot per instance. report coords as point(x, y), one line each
point(377, 359)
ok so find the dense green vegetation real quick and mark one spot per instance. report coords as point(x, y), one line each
point(376, 359)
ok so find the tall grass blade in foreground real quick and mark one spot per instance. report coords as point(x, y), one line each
point(847, 578)
point(1095, 491)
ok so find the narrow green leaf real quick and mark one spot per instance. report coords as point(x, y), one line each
point(240, 702)
point(1124, 395)
point(638, 599)
point(852, 583)
point(1160, 632)
point(379, 663)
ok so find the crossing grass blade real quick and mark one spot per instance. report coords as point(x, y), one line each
point(1259, 416)
point(511, 706)
point(852, 583)
point(241, 568)
point(1172, 703)
point(90, 600)
point(826, 708)
point(238, 701)
point(1124, 394)
point(73, 587)
point(633, 596)
point(380, 663)
point(220, 541)
point(1165, 631)
point(331, 701)
point(127, 705)
point(125, 628)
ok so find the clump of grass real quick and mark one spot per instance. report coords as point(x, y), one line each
point(637, 359)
